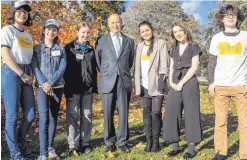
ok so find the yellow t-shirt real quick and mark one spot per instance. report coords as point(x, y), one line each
point(231, 52)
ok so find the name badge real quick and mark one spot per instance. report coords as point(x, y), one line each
point(79, 56)
point(55, 53)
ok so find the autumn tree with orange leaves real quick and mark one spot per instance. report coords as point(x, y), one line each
point(69, 14)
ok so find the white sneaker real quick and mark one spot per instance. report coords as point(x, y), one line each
point(52, 154)
point(42, 158)
point(17, 156)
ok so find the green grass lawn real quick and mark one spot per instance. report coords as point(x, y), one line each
point(137, 137)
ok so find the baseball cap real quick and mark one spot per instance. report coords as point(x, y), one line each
point(52, 22)
point(22, 4)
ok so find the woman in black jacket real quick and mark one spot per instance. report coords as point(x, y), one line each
point(80, 85)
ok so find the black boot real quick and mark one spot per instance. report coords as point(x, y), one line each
point(147, 119)
point(156, 121)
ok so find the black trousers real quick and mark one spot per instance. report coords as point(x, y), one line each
point(120, 97)
point(190, 97)
point(154, 103)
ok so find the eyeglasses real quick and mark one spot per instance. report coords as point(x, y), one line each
point(230, 16)
point(21, 11)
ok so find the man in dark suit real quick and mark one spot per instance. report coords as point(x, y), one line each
point(115, 55)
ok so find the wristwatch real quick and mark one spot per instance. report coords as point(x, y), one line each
point(22, 75)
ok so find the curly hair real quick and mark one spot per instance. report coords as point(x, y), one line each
point(226, 10)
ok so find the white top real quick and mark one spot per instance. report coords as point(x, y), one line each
point(182, 48)
point(145, 63)
point(19, 42)
point(231, 68)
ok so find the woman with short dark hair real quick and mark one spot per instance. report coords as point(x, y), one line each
point(17, 52)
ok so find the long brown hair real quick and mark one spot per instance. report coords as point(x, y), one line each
point(173, 41)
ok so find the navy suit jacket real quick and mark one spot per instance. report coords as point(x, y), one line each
point(109, 64)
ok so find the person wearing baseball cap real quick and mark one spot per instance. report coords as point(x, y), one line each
point(22, 4)
point(52, 22)
point(49, 64)
point(17, 53)
point(18, 7)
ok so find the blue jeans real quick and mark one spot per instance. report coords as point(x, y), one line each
point(16, 92)
point(48, 113)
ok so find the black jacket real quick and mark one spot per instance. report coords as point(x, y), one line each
point(80, 74)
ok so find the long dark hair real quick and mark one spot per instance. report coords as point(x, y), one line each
point(11, 18)
point(150, 49)
point(225, 10)
point(186, 31)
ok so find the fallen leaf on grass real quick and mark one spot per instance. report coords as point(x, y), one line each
point(115, 121)
point(111, 154)
point(60, 127)
point(94, 130)
point(75, 154)
point(34, 124)
point(134, 158)
point(202, 142)
point(62, 115)
point(166, 156)
point(202, 154)
point(140, 145)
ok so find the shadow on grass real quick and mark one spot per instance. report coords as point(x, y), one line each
point(137, 131)
point(136, 135)
point(208, 124)
point(232, 150)
point(99, 142)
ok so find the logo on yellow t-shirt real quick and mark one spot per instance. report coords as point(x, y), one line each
point(145, 58)
point(226, 48)
point(23, 42)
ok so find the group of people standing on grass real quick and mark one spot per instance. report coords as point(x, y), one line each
point(72, 71)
